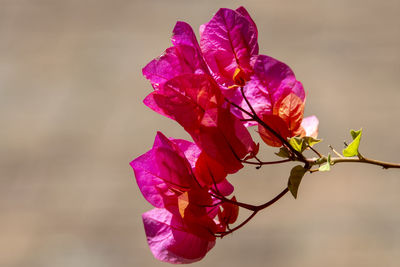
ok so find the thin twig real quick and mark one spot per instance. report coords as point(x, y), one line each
point(222, 234)
point(266, 162)
point(383, 164)
point(257, 119)
point(275, 199)
point(315, 151)
point(255, 211)
point(334, 151)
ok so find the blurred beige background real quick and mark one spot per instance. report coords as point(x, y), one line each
point(72, 118)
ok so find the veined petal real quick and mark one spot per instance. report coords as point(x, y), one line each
point(276, 79)
point(197, 104)
point(290, 109)
point(154, 104)
point(170, 239)
point(285, 120)
point(175, 61)
point(271, 82)
point(183, 34)
point(206, 170)
point(242, 11)
point(191, 150)
point(258, 97)
point(228, 41)
point(278, 125)
point(162, 173)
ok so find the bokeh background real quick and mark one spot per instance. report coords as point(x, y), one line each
point(72, 118)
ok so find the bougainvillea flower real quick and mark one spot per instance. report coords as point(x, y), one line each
point(184, 208)
point(278, 99)
point(205, 87)
point(196, 103)
point(272, 81)
point(228, 52)
point(227, 44)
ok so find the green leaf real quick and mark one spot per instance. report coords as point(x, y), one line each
point(296, 174)
point(327, 166)
point(311, 140)
point(352, 149)
point(296, 143)
point(301, 144)
point(283, 153)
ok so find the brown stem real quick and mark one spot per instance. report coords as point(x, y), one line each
point(334, 151)
point(222, 234)
point(255, 210)
point(272, 201)
point(237, 203)
point(247, 101)
point(315, 151)
point(266, 162)
point(383, 164)
point(257, 119)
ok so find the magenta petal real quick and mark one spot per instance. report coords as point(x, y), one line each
point(175, 61)
point(171, 163)
point(277, 79)
point(224, 187)
point(183, 34)
point(260, 99)
point(152, 103)
point(298, 90)
point(196, 103)
point(242, 11)
point(148, 181)
point(170, 240)
point(310, 125)
point(161, 169)
point(228, 41)
point(191, 150)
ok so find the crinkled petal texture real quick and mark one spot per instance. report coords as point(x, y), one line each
point(162, 172)
point(272, 81)
point(175, 61)
point(171, 240)
point(285, 120)
point(206, 170)
point(242, 11)
point(276, 79)
point(182, 58)
point(183, 34)
point(197, 104)
point(228, 41)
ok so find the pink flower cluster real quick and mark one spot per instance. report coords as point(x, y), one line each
point(206, 88)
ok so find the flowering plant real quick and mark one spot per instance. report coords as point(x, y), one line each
point(216, 89)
